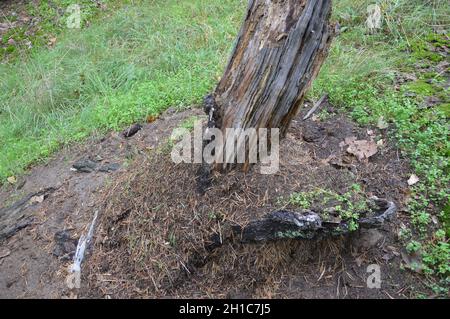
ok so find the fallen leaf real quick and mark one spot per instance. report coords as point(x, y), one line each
point(380, 142)
point(362, 149)
point(413, 180)
point(51, 41)
point(28, 44)
point(347, 141)
point(151, 118)
point(382, 124)
point(12, 179)
point(435, 220)
point(37, 199)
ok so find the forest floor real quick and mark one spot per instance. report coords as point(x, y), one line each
point(151, 212)
point(154, 232)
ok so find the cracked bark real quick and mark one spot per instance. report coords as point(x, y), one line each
point(278, 53)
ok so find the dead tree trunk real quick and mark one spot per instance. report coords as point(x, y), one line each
point(279, 51)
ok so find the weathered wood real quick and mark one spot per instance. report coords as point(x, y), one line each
point(283, 224)
point(16, 216)
point(316, 107)
point(279, 51)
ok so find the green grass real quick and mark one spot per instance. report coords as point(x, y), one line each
point(138, 61)
point(359, 77)
point(145, 56)
point(50, 17)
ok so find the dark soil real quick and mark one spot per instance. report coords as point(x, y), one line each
point(37, 259)
point(157, 236)
point(160, 238)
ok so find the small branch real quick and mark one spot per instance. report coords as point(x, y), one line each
point(15, 217)
point(316, 106)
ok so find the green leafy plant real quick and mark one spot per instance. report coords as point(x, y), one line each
point(347, 206)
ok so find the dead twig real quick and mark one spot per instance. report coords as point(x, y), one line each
point(316, 106)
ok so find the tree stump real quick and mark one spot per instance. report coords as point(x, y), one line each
point(278, 53)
